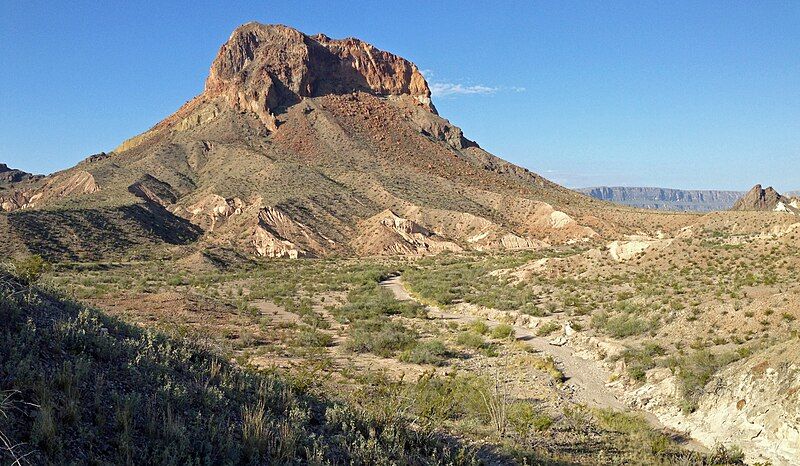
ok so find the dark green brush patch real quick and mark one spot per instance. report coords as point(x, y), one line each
point(103, 232)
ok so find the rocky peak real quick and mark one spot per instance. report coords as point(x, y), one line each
point(12, 175)
point(759, 198)
point(263, 67)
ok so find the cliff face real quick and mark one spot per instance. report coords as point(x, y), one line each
point(754, 403)
point(16, 187)
point(263, 67)
point(665, 198)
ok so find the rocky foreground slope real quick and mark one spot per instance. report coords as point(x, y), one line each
point(302, 146)
point(79, 386)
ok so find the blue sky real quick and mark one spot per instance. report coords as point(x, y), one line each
point(673, 94)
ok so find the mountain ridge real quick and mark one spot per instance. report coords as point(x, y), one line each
point(699, 200)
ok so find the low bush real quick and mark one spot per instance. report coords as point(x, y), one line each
point(311, 337)
point(470, 340)
point(380, 336)
point(621, 325)
point(642, 359)
point(479, 327)
point(432, 352)
point(547, 328)
point(503, 331)
point(524, 418)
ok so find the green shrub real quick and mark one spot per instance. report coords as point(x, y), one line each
point(524, 419)
point(456, 396)
point(30, 269)
point(311, 337)
point(548, 364)
point(470, 340)
point(621, 325)
point(640, 360)
point(380, 336)
point(478, 326)
point(503, 331)
point(547, 328)
point(432, 352)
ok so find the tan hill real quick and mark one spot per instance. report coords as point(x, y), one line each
point(295, 145)
point(760, 198)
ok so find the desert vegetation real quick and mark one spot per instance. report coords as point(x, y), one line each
point(324, 337)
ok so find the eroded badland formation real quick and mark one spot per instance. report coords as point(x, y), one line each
point(316, 224)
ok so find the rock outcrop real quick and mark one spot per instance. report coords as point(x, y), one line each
point(754, 404)
point(760, 198)
point(278, 235)
point(64, 185)
point(16, 188)
point(264, 68)
point(12, 175)
point(388, 233)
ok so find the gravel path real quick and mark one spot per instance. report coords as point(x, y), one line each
point(586, 379)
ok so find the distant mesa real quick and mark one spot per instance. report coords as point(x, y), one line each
point(665, 198)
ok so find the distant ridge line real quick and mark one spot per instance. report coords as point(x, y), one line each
point(684, 200)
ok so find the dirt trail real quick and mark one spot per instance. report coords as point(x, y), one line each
point(586, 380)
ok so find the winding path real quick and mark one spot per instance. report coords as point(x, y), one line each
point(585, 379)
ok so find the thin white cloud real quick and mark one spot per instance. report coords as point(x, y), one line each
point(445, 89)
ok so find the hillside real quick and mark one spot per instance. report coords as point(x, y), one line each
point(683, 200)
point(78, 386)
point(295, 145)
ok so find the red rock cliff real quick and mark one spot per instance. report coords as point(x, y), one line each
point(263, 67)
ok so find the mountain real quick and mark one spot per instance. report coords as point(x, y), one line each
point(665, 198)
point(298, 146)
point(759, 198)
